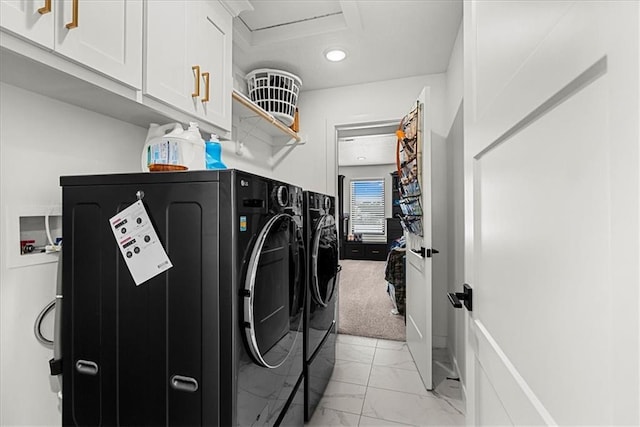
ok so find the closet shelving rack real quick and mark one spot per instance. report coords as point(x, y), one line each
point(256, 117)
point(408, 159)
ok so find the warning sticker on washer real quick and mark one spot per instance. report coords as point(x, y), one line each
point(139, 243)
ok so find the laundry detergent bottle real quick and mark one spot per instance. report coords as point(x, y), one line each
point(161, 146)
point(214, 153)
point(170, 147)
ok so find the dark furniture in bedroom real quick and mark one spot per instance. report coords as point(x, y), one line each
point(365, 251)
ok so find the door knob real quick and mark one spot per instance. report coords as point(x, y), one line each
point(419, 251)
point(466, 295)
point(423, 251)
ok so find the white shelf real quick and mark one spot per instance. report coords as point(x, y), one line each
point(247, 111)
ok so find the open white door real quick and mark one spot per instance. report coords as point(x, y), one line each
point(552, 197)
point(418, 261)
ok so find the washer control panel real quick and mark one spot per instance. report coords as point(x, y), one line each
point(282, 196)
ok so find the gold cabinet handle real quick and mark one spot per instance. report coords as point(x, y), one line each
point(46, 8)
point(205, 77)
point(196, 68)
point(74, 16)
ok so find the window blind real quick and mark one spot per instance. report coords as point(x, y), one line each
point(367, 206)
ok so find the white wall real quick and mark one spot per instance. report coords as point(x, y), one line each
point(455, 201)
point(255, 154)
point(439, 239)
point(454, 82)
point(41, 139)
point(455, 241)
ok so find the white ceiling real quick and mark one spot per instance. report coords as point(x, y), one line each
point(383, 39)
point(367, 150)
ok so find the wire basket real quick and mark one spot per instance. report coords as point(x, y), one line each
point(275, 91)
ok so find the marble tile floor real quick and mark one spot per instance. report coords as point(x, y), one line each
point(376, 383)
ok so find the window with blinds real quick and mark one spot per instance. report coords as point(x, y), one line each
point(367, 206)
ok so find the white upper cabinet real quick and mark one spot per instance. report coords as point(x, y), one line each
point(140, 61)
point(29, 19)
point(104, 35)
point(188, 58)
point(107, 36)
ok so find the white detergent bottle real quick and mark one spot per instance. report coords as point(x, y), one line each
point(194, 155)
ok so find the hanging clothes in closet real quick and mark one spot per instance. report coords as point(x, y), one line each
point(395, 276)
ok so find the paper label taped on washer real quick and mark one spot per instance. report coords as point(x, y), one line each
point(139, 243)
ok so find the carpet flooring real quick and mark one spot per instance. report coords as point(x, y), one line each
point(364, 305)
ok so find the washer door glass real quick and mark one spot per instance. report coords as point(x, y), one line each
point(324, 260)
point(273, 292)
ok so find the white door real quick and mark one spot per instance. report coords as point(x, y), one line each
point(552, 212)
point(418, 263)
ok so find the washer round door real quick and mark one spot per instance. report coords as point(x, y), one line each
point(324, 261)
point(274, 292)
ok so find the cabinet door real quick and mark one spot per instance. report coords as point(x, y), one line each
point(170, 54)
point(108, 37)
point(375, 252)
point(354, 251)
point(199, 36)
point(29, 19)
point(214, 37)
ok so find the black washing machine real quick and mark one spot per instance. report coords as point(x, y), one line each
point(215, 340)
point(323, 277)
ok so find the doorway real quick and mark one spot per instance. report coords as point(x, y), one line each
point(366, 160)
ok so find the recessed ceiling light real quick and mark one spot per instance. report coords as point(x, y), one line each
point(361, 158)
point(335, 55)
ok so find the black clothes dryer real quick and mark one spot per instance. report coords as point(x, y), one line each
point(215, 340)
point(321, 238)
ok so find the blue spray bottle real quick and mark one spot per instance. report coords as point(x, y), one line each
point(214, 153)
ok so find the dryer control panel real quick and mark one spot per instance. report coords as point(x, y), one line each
point(285, 198)
point(322, 203)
